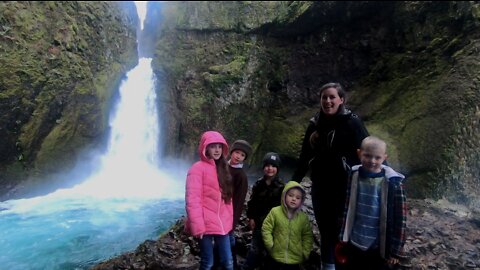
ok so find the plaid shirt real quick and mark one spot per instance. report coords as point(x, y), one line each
point(395, 220)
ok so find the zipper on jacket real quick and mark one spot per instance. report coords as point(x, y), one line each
point(288, 240)
point(218, 214)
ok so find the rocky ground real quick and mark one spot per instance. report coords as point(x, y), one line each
point(440, 236)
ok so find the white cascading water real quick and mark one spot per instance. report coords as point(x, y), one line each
point(128, 201)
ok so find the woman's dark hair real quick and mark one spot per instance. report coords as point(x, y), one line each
point(224, 179)
point(341, 92)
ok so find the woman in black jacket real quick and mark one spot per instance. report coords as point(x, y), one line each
point(329, 149)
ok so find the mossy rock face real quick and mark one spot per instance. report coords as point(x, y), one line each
point(419, 98)
point(401, 62)
point(237, 16)
point(60, 63)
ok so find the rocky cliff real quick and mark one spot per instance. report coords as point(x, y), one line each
point(252, 69)
point(60, 63)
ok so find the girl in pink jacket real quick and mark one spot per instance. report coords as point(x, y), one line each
point(208, 200)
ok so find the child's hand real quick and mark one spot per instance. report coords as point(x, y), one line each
point(392, 261)
point(340, 255)
point(251, 224)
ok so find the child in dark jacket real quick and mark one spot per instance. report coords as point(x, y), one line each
point(266, 194)
point(239, 152)
point(373, 229)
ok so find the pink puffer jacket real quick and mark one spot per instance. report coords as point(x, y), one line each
point(207, 213)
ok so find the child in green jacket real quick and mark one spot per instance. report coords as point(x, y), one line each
point(286, 231)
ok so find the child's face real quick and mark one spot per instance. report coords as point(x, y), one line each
point(330, 101)
point(372, 157)
point(270, 170)
point(293, 198)
point(238, 156)
point(214, 150)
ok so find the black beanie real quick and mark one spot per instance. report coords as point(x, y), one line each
point(272, 159)
point(243, 146)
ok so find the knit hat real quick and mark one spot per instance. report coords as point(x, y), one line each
point(243, 146)
point(272, 159)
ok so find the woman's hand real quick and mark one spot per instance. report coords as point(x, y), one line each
point(251, 224)
point(200, 236)
point(314, 137)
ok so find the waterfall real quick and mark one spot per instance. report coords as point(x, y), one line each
point(128, 200)
point(130, 166)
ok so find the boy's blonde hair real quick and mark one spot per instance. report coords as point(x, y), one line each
point(373, 141)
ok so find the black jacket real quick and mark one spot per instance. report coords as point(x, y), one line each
point(263, 198)
point(335, 145)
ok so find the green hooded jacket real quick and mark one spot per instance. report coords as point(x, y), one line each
point(289, 240)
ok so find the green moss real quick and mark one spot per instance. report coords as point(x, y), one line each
point(220, 76)
point(235, 67)
point(459, 169)
point(291, 11)
point(476, 11)
point(50, 57)
point(435, 43)
point(240, 16)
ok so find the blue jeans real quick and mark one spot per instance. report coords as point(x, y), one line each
point(234, 249)
point(234, 252)
point(222, 242)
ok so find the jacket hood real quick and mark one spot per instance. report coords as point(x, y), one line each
point(390, 173)
point(341, 113)
point(292, 184)
point(209, 137)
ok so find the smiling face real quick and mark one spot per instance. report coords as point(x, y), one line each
point(372, 155)
point(237, 157)
point(269, 170)
point(214, 150)
point(293, 198)
point(330, 101)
